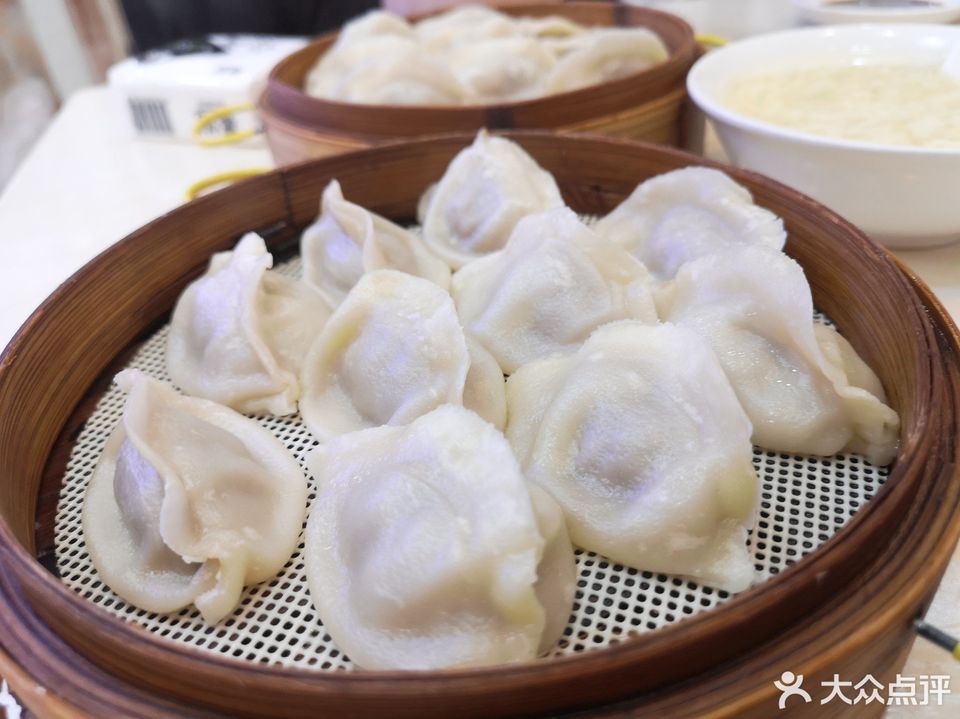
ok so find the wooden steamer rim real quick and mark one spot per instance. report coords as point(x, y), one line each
point(845, 607)
point(285, 99)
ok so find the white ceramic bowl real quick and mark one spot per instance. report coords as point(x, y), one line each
point(901, 196)
point(832, 12)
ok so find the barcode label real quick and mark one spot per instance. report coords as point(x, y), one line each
point(223, 126)
point(151, 116)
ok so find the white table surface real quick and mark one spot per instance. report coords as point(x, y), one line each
point(88, 183)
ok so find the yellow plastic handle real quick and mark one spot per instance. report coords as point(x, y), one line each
point(708, 40)
point(222, 178)
point(218, 114)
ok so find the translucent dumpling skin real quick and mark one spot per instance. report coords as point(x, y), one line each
point(240, 332)
point(347, 241)
point(486, 190)
point(805, 390)
point(425, 550)
point(548, 289)
point(679, 216)
point(641, 440)
point(473, 54)
point(190, 502)
point(604, 54)
point(393, 350)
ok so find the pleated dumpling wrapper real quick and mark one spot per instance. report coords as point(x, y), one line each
point(376, 37)
point(604, 54)
point(803, 394)
point(463, 26)
point(485, 391)
point(549, 27)
point(239, 333)
point(347, 241)
point(427, 549)
point(486, 190)
point(679, 216)
point(409, 78)
point(393, 350)
point(375, 23)
point(640, 438)
point(504, 69)
point(190, 502)
point(548, 289)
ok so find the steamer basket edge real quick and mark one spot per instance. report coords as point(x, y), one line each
point(290, 197)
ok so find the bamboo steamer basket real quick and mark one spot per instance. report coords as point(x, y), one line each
point(649, 105)
point(845, 608)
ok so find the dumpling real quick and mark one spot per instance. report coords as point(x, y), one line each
point(239, 333)
point(605, 54)
point(190, 502)
point(375, 23)
point(330, 77)
point(346, 241)
point(548, 289)
point(688, 213)
point(409, 77)
point(549, 27)
point(392, 351)
point(485, 391)
point(375, 37)
point(425, 549)
point(463, 25)
point(864, 396)
point(487, 189)
point(501, 69)
point(754, 307)
point(641, 440)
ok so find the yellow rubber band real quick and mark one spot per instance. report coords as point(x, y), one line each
point(710, 40)
point(222, 178)
point(218, 114)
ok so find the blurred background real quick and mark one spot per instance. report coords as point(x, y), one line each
point(51, 48)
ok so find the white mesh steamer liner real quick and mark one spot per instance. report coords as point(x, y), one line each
point(805, 500)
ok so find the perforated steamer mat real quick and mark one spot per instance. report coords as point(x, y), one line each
point(805, 500)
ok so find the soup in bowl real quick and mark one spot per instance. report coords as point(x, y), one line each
point(862, 118)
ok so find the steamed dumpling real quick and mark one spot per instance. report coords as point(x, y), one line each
point(548, 289)
point(640, 438)
point(346, 241)
point(381, 59)
point(605, 54)
point(463, 25)
point(239, 333)
point(376, 37)
point(190, 502)
point(487, 189)
point(409, 78)
point(485, 391)
point(375, 23)
point(393, 350)
point(755, 309)
point(557, 35)
point(551, 27)
point(688, 213)
point(425, 549)
point(501, 69)
point(330, 78)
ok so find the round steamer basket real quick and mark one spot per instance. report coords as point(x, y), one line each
point(648, 105)
point(846, 607)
